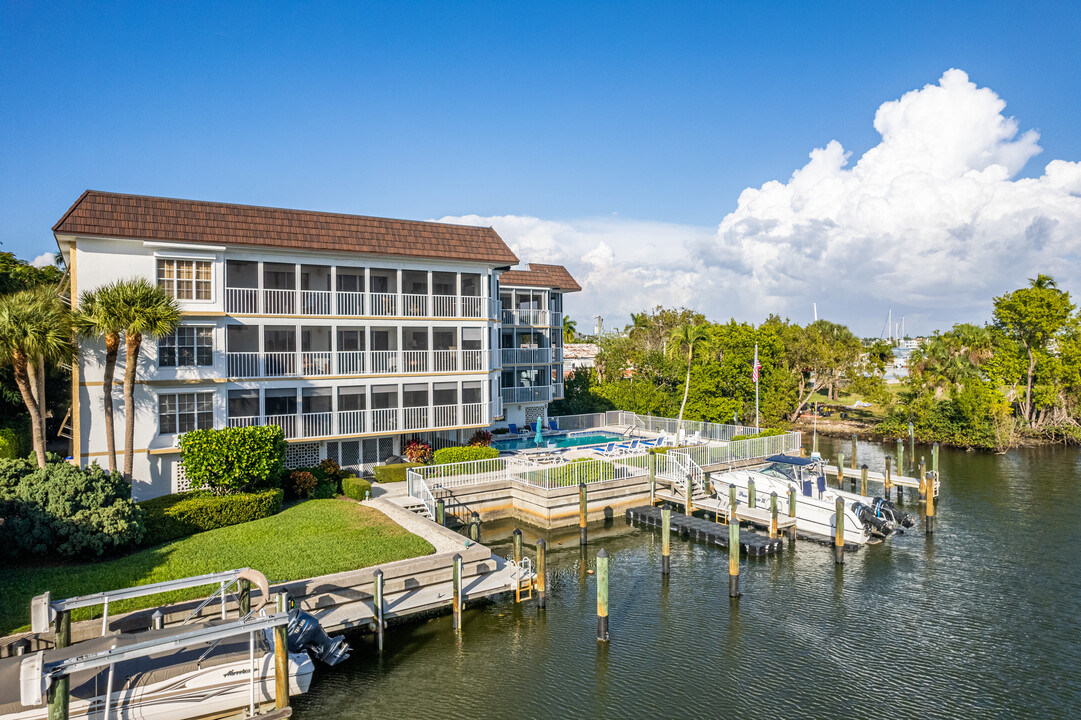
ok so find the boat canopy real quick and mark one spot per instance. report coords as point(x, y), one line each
point(790, 460)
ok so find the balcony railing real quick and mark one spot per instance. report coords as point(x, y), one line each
point(358, 362)
point(385, 420)
point(556, 320)
point(525, 317)
point(557, 390)
point(540, 393)
point(526, 356)
point(254, 301)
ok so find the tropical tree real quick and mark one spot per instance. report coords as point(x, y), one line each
point(140, 308)
point(570, 329)
point(97, 318)
point(1033, 317)
point(687, 337)
point(35, 329)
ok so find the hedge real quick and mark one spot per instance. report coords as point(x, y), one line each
point(175, 516)
point(763, 433)
point(237, 459)
point(464, 454)
point(64, 510)
point(392, 473)
point(356, 488)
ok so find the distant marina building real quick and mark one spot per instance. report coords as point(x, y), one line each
point(579, 355)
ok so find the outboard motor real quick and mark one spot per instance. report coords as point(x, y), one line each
point(305, 633)
point(886, 509)
point(879, 525)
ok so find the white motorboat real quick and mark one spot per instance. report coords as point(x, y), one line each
point(816, 508)
point(183, 684)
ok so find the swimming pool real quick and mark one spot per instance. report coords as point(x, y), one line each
point(600, 437)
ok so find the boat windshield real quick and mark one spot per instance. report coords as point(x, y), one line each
point(780, 471)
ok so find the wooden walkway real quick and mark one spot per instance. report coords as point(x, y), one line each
point(750, 543)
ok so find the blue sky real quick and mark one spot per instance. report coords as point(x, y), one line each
point(654, 112)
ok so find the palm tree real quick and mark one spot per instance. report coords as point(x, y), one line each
point(1043, 282)
point(96, 318)
point(690, 337)
point(140, 308)
point(570, 329)
point(35, 329)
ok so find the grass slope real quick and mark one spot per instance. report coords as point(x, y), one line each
point(312, 538)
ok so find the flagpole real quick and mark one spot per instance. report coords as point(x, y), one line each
point(756, 373)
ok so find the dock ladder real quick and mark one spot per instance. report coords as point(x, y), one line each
point(523, 579)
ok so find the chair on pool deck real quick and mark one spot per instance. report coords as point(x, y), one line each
point(553, 424)
point(513, 428)
point(608, 450)
point(628, 448)
point(532, 427)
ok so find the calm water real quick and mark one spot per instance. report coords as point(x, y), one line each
point(982, 621)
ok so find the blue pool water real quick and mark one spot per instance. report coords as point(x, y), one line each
point(562, 441)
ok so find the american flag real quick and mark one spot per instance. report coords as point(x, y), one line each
point(756, 367)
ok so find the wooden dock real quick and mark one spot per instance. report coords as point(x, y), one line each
point(895, 480)
point(714, 533)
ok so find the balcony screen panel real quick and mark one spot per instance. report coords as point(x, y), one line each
point(472, 392)
point(351, 398)
point(470, 284)
point(415, 395)
point(383, 281)
point(384, 339)
point(315, 339)
point(277, 276)
point(314, 277)
point(241, 274)
point(317, 400)
point(243, 403)
point(280, 401)
point(414, 282)
point(384, 396)
point(350, 340)
point(472, 338)
point(242, 338)
point(444, 283)
point(279, 339)
point(415, 338)
point(444, 338)
point(350, 280)
point(445, 394)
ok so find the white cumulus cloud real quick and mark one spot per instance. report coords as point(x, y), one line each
point(44, 260)
point(931, 222)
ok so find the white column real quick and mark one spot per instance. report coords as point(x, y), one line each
point(460, 417)
point(298, 304)
point(398, 289)
point(333, 346)
point(431, 296)
point(366, 356)
point(366, 303)
point(259, 289)
point(334, 290)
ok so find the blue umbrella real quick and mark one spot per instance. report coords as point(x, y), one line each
point(537, 439)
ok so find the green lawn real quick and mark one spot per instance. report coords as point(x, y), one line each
point(312, 538)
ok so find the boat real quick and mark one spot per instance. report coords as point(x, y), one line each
point(865, 518)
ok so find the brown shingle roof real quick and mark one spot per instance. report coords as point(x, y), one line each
point(546, 276)
point(102, 214)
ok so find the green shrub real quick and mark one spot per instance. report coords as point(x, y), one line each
point(356, 488)
point(500, 430)
point(464, 454)
point(15, 439)
point(333, 472)
point(762, 433)
point(569, 474)
point(303, 483)
point(175, 516)
point(63, 510)
point(418, 452)
point(480, 437)
point(233, 459)
point(392, 473)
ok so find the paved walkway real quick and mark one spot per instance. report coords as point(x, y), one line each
point(387, 500)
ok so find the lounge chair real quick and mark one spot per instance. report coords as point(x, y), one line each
point(532, 427)
point(628, 448)
point(513, 428)
point(553, 424)
point(608, 450)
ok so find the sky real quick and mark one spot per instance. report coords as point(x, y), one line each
point(738, 158)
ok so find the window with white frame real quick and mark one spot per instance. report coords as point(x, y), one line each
point(185, 279)
point(184, 412)
point(187, 346)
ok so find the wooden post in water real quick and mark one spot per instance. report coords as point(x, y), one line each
point(602, 596)
point(688, 493)
point(934, 458)
point(863, 480)
point(773, 514)
point(912, 442)
point(58, 694)
point(750, 494)
point(733, 545)
point(582, 508)
point(929, 520)
point(666, 539)
point(900, 457)
point(456, 591)
point(243, 599)
point(840, 469)
point(886, 485)
point(281, 658)
point(441, 512)
point(474, 527)
point(542, 569)
point(839, 532)
point(853, 451)
point(377, 601)
point(923, 479)
point(516, 536)
point(792, 514)
point(651, 462)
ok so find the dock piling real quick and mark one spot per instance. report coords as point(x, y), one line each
point(58, 694)
point(750, 494)
point(923, 479)
point(853, 451)
point(602, 596)
point(886, 485)
point(582, 509)
point(840, 469)
point(474, 527)
point(934, 458)
point(377, 600)
point(157, 620)
point(456, 589)
point(912, 441)
point(651, 462)
point(792, 514)
point(688, 494)
point(929, 520)
point(542, 568)
point(773, 514)
point(666, 539)
point(900, 456)
point(281, 658)
point(517, 538)
point(839, 532)
point(733, 544)
point(863, 480)
point(440, 512)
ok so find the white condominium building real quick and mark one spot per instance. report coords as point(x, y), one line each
point(350, 333)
